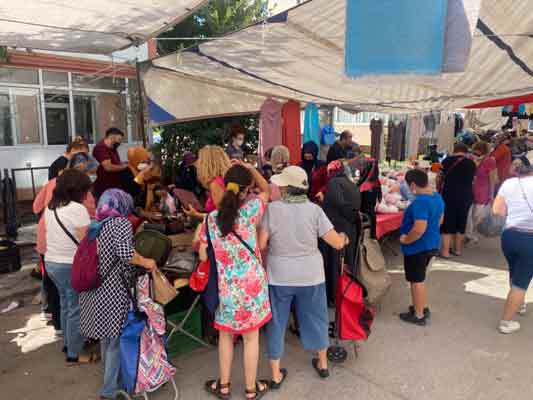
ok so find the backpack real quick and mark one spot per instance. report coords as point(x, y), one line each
point(85, 273)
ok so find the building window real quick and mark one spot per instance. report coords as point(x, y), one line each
point(53, 78)
point(6, 133)
point(354, 118)
point(97, 82)
point(27, 116)
point(19, 75)
point(57, 115)
point(111, 111)
point(85, 116)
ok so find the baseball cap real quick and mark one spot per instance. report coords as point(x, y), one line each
point(291, 176)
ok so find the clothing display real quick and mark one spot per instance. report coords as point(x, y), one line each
point(396, 142)
point(415, 128)
point(430, 124)
point(270, 126)
point(291, 130)
point(445, 133)
point(376, 127)
point(311, 124)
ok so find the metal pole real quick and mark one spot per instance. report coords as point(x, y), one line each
point(141, 103)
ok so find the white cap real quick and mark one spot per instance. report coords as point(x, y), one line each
point(291, 176)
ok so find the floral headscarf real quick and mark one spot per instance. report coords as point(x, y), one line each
point(335, 168)
point(114, 203)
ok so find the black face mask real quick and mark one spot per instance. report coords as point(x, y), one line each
point(116, 145)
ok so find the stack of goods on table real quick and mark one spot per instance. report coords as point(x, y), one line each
point(392, 201)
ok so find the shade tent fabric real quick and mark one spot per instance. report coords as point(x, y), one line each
point(88, 26)
point(507, 101)
point(299, 55)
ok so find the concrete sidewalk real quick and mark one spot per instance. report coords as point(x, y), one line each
point(460, 355)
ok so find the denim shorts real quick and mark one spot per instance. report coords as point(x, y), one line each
point(517, 247)
point(311, 310)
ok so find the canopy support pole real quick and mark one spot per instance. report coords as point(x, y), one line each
point(142, 124)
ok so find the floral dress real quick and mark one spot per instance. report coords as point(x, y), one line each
point(242, 283)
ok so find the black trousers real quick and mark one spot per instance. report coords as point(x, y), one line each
point(52, 295)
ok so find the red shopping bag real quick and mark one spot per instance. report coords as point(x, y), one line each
point(354, 318)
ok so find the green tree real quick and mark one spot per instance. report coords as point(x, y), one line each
point(215, 19)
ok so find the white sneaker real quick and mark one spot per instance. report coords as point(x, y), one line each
point(507, 327)
point(46, 316)
point(523, 309)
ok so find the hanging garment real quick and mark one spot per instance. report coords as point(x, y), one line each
point(270, 130)
point(391, 131)
point(311, 124)
point(376, 127)
point(430, 124)
point(414, 133)
point(446, 135)
point(397, 141)
point(291, 130)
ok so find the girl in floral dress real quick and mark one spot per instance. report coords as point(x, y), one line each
point(242, 284)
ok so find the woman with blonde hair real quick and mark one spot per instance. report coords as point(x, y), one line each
point(211, 166)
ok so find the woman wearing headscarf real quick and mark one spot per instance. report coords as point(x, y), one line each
point(103, 310)
point(133, 178)
point(280, 157)
point(342, 203)
point(316, 169)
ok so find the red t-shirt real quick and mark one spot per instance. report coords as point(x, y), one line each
point(106, 180)
point(504, 159)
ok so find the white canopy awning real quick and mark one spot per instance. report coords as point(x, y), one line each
point(88, 26)
point(300, 55)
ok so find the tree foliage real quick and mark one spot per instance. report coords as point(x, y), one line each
point(177, 139)
point(215, 19)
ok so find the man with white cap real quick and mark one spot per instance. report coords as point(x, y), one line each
point(291, 228)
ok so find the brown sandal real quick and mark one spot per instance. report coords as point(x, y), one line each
point(257, 392)
point(215, 388)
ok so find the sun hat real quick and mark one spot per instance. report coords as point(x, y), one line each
point(291, 176)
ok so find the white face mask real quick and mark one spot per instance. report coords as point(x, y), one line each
point(142, 166)
point(92, 178)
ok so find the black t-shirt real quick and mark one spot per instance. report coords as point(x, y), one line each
point(458, 178)
point(336, 152)
point(57, 166)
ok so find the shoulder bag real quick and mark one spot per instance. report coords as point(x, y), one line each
point(70, 235)
point(443, 176)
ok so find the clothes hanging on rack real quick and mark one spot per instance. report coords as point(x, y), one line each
point(396, 142)
point(430, 124)
point(311, 124)
point(270, 126)
point(376, 128)
point(291, 130)
point(459, 124)
point(446, 134)
point(415, 128)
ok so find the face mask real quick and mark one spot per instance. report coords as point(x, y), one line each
point(239, 142)
point(116, 145)
point(92, 178)
point(142, 166)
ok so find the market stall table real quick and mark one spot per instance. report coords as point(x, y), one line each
point(183, 242)
point(386, 225)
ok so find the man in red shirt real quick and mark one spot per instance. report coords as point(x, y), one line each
point(109, 171)
point(503, 156)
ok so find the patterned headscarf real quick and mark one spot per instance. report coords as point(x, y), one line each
point(113, 203)
point(335, 168)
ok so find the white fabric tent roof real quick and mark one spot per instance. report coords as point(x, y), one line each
point(301, 57)
point(88, 26)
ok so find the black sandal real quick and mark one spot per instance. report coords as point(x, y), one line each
point(277, 385)
point(217, 389)
point(257, 392)
point(322, 373)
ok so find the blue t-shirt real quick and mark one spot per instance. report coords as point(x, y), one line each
point(425, 207)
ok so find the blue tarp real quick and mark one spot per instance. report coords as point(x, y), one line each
point(395, 37)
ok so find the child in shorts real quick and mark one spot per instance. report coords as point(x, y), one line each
point(420, 241)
